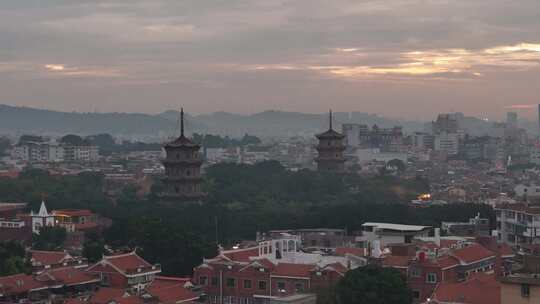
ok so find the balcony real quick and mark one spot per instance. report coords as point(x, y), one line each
point(144, 270)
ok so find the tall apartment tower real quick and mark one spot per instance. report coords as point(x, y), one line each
point(330, 150)
point(512, 120)
point(182, 168)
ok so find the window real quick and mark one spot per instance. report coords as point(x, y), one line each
point(313, 243)
point(525, 290)
point(299, 287)
point(262, 285)
point(231, 282)
point(247, 284)
point(431, 277)
point(214, 281)
point(281, 286)
point(416, 273)
point(416, 294)
point(203, 280)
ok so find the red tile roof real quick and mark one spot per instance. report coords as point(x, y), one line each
point(341, 251)
point(447, 262)
point(129, 261)
point(68, 276)
point(241, 255)
point(40, 257)
point(171, 290)
point(472, 253)
point(293, 270)
point(105, 295)
point(128, 300)
point(396, 261)
point(19, 284)
point(448, 243)
point(480, 288)
point(73, 212)
point(505, 250)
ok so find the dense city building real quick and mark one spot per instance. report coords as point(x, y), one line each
point(361, 136)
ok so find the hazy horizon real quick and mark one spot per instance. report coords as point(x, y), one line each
point(405, 59)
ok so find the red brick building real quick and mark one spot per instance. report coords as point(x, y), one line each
point(426, 270)
point(274, 269)
point(128, 271)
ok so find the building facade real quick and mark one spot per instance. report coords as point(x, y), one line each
point(268, 273)
point(518, 223)
point(361, 136)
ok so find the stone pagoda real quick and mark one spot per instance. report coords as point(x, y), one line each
point(330, 150)
point(182, 168)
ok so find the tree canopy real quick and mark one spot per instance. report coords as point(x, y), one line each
point(242, 199)
point(49, 238)
point(12, 258)
point(372, 285)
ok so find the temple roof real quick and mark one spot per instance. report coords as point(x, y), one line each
point(182, 140)
point(331, 133)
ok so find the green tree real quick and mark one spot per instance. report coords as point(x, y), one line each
point(398, 164)
point(372, 285)
point(5, 143)
point(72, 139)
point(93, 248)
point(12, 258)
point(49, 238)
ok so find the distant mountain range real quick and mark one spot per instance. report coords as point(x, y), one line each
point(22, 120)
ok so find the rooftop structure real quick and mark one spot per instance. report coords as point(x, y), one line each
point(126, 270)
point(273, 270)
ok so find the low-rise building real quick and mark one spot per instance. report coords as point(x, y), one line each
point(474, 227)
point(387, 233)
point(523, 285)
point(127, 270)
point(273, 270)
point(518, 223)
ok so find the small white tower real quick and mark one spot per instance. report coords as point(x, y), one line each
point(41, 219)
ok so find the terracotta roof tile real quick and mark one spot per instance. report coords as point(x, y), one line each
point(105, 294)
point(472, 253)
point(171, 290)
point(293, 270)
point(73, 212)
point(241, 255)
point(128, 261)
point(396, 261)
point(480, 288)
point(67, 275)
point(48, 257)
point(18, 284)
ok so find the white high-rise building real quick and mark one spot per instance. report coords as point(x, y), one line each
point(447, 142)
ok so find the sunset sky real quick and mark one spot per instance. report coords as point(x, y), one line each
point(397, 58)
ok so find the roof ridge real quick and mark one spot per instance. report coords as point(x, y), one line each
point(240, 249)
point(120, 255)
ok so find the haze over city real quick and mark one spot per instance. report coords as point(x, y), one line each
point(398, 58)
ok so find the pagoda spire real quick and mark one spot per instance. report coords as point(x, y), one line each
point(182, 122)
point(330, 118)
